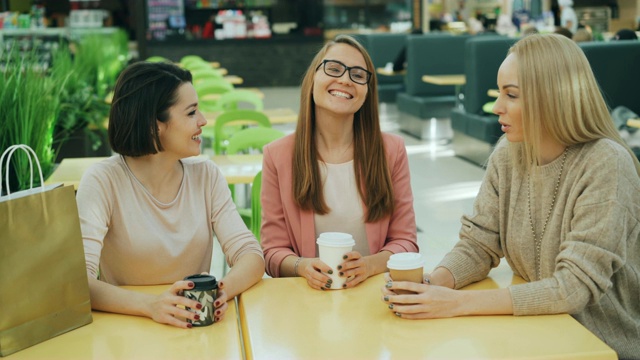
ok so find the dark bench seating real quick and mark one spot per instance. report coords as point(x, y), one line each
point(476, 131)
point(384, 48)
point(616, 66)
point(420, 103)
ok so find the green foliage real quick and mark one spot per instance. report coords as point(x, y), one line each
point(28, 109)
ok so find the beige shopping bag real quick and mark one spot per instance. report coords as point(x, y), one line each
point(44, 290)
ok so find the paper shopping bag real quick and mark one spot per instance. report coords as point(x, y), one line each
point(44, 289)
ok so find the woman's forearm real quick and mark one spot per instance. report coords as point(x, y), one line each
point(110, 298)
point(247, 271)
point(485, 302)
point(377, 263)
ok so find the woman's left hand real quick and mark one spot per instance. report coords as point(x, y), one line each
point(220, 303)
point(355, 268)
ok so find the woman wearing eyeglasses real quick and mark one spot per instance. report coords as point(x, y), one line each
point(337, 173)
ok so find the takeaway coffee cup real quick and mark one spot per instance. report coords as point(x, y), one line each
point(204, 291)
point(406, 267)
point(332, 247)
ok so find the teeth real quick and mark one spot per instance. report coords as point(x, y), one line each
point(195, 137)
point(340, 94)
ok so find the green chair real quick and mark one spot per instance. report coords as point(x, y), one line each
point(256, 206)
point(233, 100)
point(227, 118)
point(212, 87)
point(201, 77)
point(191, 59)
point(254, 138)
point(157, 59)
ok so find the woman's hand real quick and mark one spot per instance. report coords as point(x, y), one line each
point(428, 302)
point(220, 304)
point(164, 308)
point(312, 269)
point(355, 268)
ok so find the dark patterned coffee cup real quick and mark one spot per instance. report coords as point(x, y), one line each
point(204, 291)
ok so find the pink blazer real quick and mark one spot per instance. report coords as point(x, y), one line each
point(288, 230)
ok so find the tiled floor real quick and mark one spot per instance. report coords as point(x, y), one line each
point(444, 186)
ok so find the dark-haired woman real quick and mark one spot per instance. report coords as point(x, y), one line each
point(148, 215)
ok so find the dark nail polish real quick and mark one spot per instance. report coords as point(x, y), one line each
point(388, 285)
point(189, 325)
point(218, 312)
point(322, 288)
point(190, 284)
point(216, 304)
point(344, 286)
point(331, 271)
point(327, 285)
point(386, 298)
point(398, 314)
point(345, 257)
point(391, 306)
point(341, 273)
point(197, 317)
point(198, 306)
point(339, 267)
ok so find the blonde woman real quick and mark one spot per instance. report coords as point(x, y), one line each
point(337, 172)
point(559, 201)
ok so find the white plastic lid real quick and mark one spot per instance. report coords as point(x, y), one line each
point(405, 261)
point(335, 239)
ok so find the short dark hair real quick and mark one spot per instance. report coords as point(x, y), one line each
point(143, 94)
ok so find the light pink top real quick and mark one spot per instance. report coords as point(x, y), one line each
point(342, 197)
point(134, 239)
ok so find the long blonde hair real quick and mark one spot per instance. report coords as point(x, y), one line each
point(370, 163)
point(560, 95)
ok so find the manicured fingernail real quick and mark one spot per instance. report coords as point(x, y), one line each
point(190, 284)
point(217, 319)
point(344, 286)
point(339, 267)
point(386, 298)
point(391, 306)
point(220, 284)
point(322, 288)
point(345, 257)
point(329, 281)
point(331, 271)
point(398, 314)
point(327, 285)
point(198, 306)
point(341, 273)
point(216, 304)
point(218, 312)
point(197, 317)
point(388, 285)
point(189, 325)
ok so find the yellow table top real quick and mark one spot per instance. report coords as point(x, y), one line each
point(285, 319)
point(234, 79)
point(634, 122)
point(493, 93)
point(237, 169)
point(445, 79)
point(115, 336)
point(387, 72)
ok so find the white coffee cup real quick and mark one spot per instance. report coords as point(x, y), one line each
point(332, 247)
point(406, 267)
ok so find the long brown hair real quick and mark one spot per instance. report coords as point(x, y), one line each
point(370, 162)
point(562, 97)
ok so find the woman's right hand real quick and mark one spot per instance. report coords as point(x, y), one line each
point(313, 270)
point(164, 308)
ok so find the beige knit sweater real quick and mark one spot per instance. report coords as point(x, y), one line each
point(590, 252)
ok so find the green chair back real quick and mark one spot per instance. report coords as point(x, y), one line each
point(256, 206)
point(252, 138)
point(227, 118)
point(233, 99)
point(212, 86)
point(200, 77)
point(156, 59)
point(191, 59)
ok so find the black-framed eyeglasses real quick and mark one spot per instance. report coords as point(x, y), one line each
point(335, 68)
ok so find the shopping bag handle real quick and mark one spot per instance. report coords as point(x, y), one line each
point(30, 154)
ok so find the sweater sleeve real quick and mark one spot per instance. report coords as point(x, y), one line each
point(601, 225)
point(401, 235)
point(479, 249)
point(232, 233)
point(94, 208)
